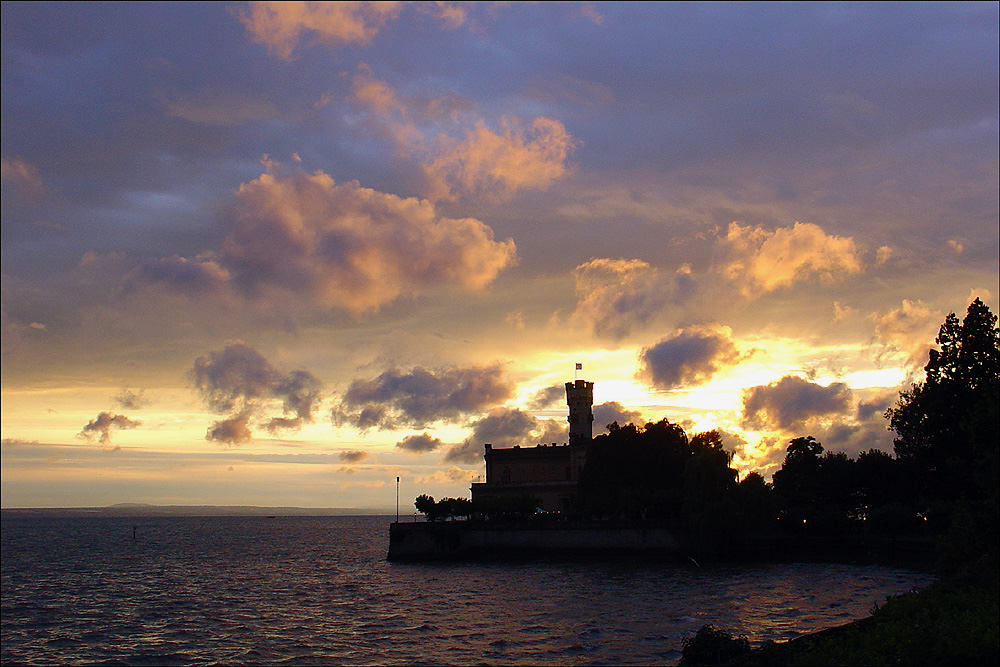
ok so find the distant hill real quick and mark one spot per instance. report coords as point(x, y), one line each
point(139, 509)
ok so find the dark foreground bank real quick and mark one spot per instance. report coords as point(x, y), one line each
point(951, 622)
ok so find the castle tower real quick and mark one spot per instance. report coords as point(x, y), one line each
point(580, 398)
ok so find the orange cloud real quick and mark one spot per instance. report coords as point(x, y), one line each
point(22, 175)
point(349, 246)
point(760, 261)
point(910, 329)
point(616, 296)
point(299, 238)
point(499, 163)
point(450, 476)
point(481, 160)
point(281, 25)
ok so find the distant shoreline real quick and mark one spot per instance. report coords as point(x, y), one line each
point(137, 509)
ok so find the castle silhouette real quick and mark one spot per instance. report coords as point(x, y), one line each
point(549, 473)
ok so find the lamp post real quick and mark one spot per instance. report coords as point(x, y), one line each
point(397, 500)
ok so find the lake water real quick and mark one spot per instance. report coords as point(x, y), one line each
point(318, 590)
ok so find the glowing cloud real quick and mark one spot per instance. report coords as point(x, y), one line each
point(449, 476)
point(617, 296)
point(758, 261)
point(23, 176)
point(459, 152)
point(349, 246)
point(910, 329)
point(497, 164)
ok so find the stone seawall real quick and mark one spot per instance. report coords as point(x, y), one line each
point(465, 540)
point(475, 540)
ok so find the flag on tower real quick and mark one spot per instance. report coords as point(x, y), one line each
point(579, 367)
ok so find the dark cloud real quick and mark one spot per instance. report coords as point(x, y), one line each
point(876, 405)
point(301, 393)
point(276, 425)
point(183, 275)
point(104, 424)
point(547, 397)
point(231, 431)
point(505, 427)
point(239, 380)
point(690, 357)
point(233, 377)
point(420, 443)
point(132, 400)
point(867, 428)
point(353, 456)
point(791, 401)
point(613, 411)
point(419, 397)
point(854, 438)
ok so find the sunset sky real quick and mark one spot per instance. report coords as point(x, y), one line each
point(282, 253)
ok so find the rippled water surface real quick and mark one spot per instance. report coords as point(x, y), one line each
point(303, 590)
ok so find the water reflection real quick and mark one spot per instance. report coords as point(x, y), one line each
point(256, 590)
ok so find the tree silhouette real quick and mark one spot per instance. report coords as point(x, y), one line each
point(425, 505)
point(947, 426)
point(636, 472)
point(948, 436)
point(795, 483)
